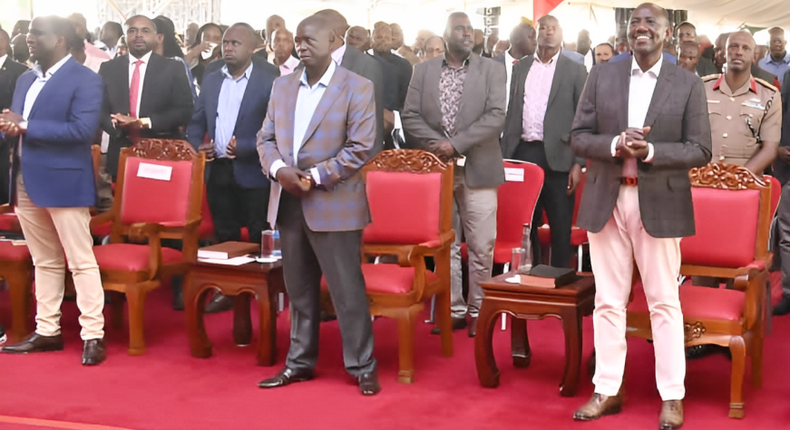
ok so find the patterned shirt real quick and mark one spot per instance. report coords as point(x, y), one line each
point(451, 87)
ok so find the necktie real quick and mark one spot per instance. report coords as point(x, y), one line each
point(134, 89)
point(515, 61)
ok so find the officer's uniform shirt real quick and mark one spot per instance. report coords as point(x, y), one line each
point(741, 118)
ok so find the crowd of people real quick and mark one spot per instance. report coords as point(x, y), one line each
point(287, 116)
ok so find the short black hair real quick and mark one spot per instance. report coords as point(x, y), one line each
point(252, 33)
point(141, 16)
point(116, 27)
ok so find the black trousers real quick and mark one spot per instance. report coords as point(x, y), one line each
point(233, 207)
point(307, 255)
point(557, 203)
point(5, 168)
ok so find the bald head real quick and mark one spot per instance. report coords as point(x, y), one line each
point(337, 23)
point(523, 41)
point(282, 45)
point(358, 37)
point(273, 23)
point(314, 38)
point(740, 52)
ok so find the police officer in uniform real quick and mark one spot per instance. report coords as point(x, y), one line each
point(745, 112)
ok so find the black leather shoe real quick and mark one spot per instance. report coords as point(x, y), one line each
point(3, 336)
point(285, 377)
point(93, 352)
point(219, 303)
point(782, 308)
point(36, 343)
point(369, 383)
point(457, 324)
point(472, 327)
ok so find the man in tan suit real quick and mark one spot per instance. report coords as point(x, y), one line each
point(642, 123)
point(319, 130)
point(455, 108)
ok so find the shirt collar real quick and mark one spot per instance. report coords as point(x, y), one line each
point(52, 70)
point(145, 58)
point(552, 60)
point(750, 85)
point(330, 71)
point(509, 59)
point(291, 63)
point(2, 60)
point(339, 53)
point(784, 60)
point(246, 74)
point(463, 64)
point(655, 70)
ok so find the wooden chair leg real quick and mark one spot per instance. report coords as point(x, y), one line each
point(116, 309)
point(406, 326)
point(444, 320)
point(135, 298)
point(20, 290)
point(738, 351)
point(757, 361)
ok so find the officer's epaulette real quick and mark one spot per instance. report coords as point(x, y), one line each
point(766, 85)
point(711, 77)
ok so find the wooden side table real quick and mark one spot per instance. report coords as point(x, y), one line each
point(264, 281)
point(569, 303)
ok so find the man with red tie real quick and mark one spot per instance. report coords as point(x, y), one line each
point(145, 94)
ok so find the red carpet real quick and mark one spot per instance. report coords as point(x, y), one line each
point(168, 389)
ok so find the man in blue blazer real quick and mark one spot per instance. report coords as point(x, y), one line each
point(230, 110)
point(56, 109)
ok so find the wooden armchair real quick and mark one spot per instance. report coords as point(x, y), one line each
point(158, 196)
point(410, 194)
point(16, 266)
point(732, 217)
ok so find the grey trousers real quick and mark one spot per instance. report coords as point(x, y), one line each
point(783, 230)
point(306, 255)
point(474, 218)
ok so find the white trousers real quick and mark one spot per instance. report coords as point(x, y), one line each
point(612, 252)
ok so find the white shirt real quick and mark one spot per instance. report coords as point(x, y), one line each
point(143, 67)
point(509, 73)
point(640, 93)
point(2, 60)
point(288, 67)
point(38, 85)
point(588, 59)
point(338, 54)
point(306, 103)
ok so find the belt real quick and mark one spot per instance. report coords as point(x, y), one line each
point(629, 181)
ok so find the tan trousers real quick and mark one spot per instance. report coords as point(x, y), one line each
point(474, 218)
point(49, 233)
point(613, 250)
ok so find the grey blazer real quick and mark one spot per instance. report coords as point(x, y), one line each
point(364, 65)
point(680, 134)
point(566, 89)
point(481, 115)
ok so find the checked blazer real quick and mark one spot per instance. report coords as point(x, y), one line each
point(340, 139)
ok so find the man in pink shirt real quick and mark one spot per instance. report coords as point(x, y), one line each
point(93, 55)
point(544, 91)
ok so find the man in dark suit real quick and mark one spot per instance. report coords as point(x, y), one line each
point(397, 74)
point(642, 124)
point(543, 96)
point(455, 109)
point(145, 95)
point(231, 107)
point(360, 63)
point(10, 71)
point(320, 129)
point(523, 43)
point(55, 110)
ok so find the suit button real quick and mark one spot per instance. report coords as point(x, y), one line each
point(732, 99)
point(721, 158)
point(724, 135)
point(729, 117)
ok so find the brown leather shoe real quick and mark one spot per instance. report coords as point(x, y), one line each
point(36, 343)
point(93, 352)
point(598, 406)
point(671, 415)
point(369, 384)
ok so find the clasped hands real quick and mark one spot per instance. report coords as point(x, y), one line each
point(207, 148)
point(632, 143)
point(442, 149)
point(295, 181)
point(126, 122)
point(10, 123)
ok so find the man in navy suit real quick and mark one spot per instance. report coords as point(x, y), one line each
point(230, 110)
point(56, 110)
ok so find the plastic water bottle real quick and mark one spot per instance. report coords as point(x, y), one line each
point(526, 244)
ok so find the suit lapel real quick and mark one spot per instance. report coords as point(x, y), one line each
point(252, 84)
point(559, 75)
point(473, 77)
point(23, 86)
point(212, 101)
point(624, 84)
point(432, 77)
point(152, 75)
point(336, 85)
point(123, 74)
point(661, 92)
point(52, 85)
point(289, 106)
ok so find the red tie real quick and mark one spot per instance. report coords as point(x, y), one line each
point(134, 89)
point(515, 61)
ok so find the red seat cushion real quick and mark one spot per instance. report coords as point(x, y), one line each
point(388, 278)
point(102, 229)
point(699, 303)
point(9, 222)
point(11, 252)
point(131, 257)
point(726, 223)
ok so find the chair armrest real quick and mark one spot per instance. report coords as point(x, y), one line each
point(753, 284)
point(6, 209)
point(102, 218)
point(139, 232)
